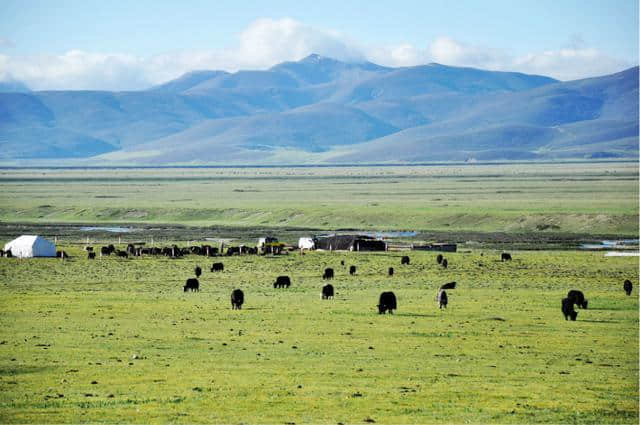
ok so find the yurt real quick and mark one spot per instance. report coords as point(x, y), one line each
point(306, 243)
point(27, 246)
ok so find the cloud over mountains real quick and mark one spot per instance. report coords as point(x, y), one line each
point(266, 42)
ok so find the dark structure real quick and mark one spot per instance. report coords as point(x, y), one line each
point(352, 270)
point(327, 291)
point(405, 259)
point(443, 299)
point(578, 298)
point(505, 256)
point(349, 243)
point(217, 267)
point(328, 274)
point(444, 247)
point(282, 282)
point(567, 309)
point(237, 299)
point(192, 285)
point(390, 271)
point(387, 302)
point(627, 286)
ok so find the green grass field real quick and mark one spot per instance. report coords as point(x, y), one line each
point(116, 340)
point(595, 198)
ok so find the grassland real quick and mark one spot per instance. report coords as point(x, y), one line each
point(115, 340)
point(596, 198)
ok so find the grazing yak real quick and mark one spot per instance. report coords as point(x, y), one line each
point(439, 259)
point(8, 253)
point(198, 271)
point(342, 262)
point(352, 270)
point(505, 256)
point(390, 271)
point(445, 263)
point(88, 248)
point(131, 249)
point(405, 259)
point(122, 254)
point(217, 267)
point(578, 298)
point(443, 299)
point(567, 309)
point(282, 282)
point(328, 274)
point(192, 285)
point(450, 285)
point(387, 302)
point(61, 254)
point(327, 291)
point(91, 255)
point(628, 286)
point(237, 299)
point(104, 250)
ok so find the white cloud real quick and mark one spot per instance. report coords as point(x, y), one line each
point(266, 42)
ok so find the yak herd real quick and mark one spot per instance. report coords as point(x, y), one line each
point(387, 301)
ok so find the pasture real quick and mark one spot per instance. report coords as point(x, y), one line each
point(117, 340)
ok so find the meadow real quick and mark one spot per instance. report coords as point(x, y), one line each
point(117, 340)
point(593, 198)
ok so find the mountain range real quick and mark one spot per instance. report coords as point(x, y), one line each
point(321, 110)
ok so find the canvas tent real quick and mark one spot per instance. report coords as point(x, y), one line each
point(31, 246)
point(306, 243)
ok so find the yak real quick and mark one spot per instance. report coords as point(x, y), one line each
point(445, 263)
point(439, 259)
point(567, 309)
point(237, 299)
point(217, 267)
point(627, 286)
point(198, 271)
point(443, 299)
point(450, 285)
point(328, 274)
point(390, 271)
point(91, 255)
point(327, 291)
point(8, 253)
point(405, 259)
point(387, 302)
point(505, 256)
point(192, 285)
point(352, 270)
point(122, 254)
point(578, 298)
point(282, 282)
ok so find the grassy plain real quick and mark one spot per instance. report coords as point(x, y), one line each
point(596, 198)
point(116, 340)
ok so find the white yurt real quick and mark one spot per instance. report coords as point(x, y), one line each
point(306, 243)
point(27, 246)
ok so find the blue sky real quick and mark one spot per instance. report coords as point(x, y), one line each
point(131, 45)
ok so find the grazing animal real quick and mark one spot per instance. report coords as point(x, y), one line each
point(505, 256)
point(198, 271)
point(192, 285)
point(342, 262)
point(282, 282)
point(390, 271)
point(445, 263)
point(450, 285)
point(131, 249)
point(104, 250)
point(88, 248)
point(237, 299)
point(628, 286)
point(405, 260)
point(387, 302)
point(439, 259)
point(122, 254)
point(61, 254)
point(327, 291)
point(328, 274)
point(578, 298)
point(1, 253)
point(567, 309)
point(352, 270)
point(8, 253)
point(91, 255)
point(443, 299)
point(217, 267)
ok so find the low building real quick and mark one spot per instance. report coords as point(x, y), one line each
point(349, 243)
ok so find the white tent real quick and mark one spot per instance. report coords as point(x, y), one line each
point(31, 246)
point(306, 243)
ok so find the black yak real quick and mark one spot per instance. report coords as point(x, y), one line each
point(198, 271)
point(328, 274)
point(122, 254)
point(390, 271)
point(91, 255)
point(61, 254)
point(567, 309)
point(439, 259)
point(131, 249)
point(237, 299)
point(445, 263)
point(192, 285)
point(8, 253)
point(327, 291)
point(405, 260)
point(387, 303)
point(352, 270)
point(628, 286)
point(450, 285)
point(443, 299)
point(217, 267)
point(282, 282)
point(578, 298)
point(342, 262)
point(505, 256)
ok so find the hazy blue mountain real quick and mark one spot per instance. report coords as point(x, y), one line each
point(13, 86)
point(322, 109)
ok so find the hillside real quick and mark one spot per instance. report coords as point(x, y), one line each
point(322, 110)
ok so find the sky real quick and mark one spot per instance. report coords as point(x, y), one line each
point(132, 45)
